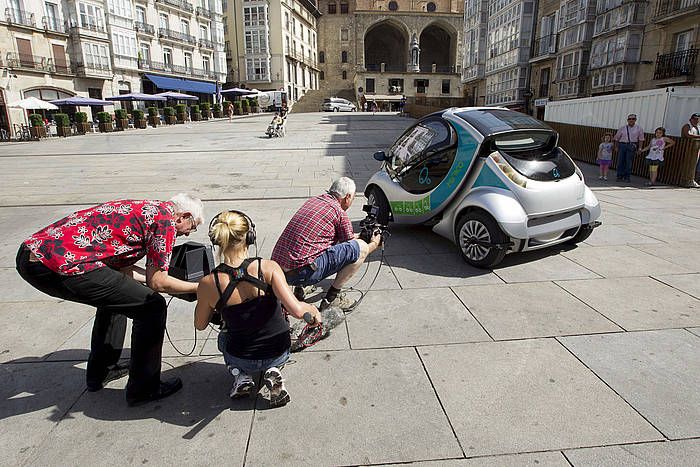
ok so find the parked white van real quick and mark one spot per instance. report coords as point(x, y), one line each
point(338, 104)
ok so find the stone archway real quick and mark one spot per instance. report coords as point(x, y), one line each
point(437, 47)
point(386, 43)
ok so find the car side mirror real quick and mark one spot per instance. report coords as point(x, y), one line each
point(380, 156)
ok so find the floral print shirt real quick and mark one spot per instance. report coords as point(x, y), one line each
point(114, 234)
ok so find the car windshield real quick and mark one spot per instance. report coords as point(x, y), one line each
point(492, 121)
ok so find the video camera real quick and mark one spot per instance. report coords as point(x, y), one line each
point(370, 226)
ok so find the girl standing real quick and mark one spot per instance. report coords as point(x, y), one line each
point(605, 156)
point(655, 158)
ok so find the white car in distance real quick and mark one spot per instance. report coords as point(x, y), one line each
point(337, 104)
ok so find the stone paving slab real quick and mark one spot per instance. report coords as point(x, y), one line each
point(695, 331)
point(519, 311)
point(412, 317)
point(357, 407)
point(540, 459)
point(688, 283)
point(539, 266)
point(684, 254)
point(438, 270)
point(621, 261)
point(520, 396)
point(637, 303)
point(676, 453)
point(657, 372)
point(618, 235)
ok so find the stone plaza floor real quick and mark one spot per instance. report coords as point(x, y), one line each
point(581, 356)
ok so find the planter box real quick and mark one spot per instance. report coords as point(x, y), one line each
point(63, 131)
point(181, 118)
point(83, 127)
point(218, 114)
point(171, 120)
point(106, 127)
point(122, 124)
point(245, 111)
point(154, 120)
point(141, 124)
point(196, 117)
point(206, 115)
point(237, 112)
point(37, 131)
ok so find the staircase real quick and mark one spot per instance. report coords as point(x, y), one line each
point(312, 100)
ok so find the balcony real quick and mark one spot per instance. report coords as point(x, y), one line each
point(143, 28)
point(91, 69)
point(669, 10)
point(568, 72)
point(93, 31)
point(544, 47)
point(206, 44)
point(676, 64)
point(149, 65)
point(204, 12)
point(443, 69)
point(299, 57)
point(169, 34)
point(178, 4)
point(30, 62)
point(53, 24)
point(20, 17)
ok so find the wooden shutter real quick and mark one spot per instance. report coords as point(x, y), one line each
point(59, 58)
point(24, 49)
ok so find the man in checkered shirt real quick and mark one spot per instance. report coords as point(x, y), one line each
point(319, 242)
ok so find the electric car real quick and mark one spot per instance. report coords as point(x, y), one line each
point(492, 180)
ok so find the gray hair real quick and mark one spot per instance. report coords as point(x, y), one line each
point(342, 187)
point(187, 203)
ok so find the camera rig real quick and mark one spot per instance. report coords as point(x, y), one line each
point(369, 226)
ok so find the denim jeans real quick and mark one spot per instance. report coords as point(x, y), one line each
point(249, 366)
point(332, 260)
point(625, 156)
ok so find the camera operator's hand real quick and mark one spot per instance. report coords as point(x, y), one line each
point(376, 237)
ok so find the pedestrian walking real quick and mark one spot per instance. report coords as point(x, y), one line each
point(655, 158)
point(229, 110)
point(604, 158)
point(691, 130)
point(628, 139)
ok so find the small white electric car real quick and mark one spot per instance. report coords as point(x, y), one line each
point(490, 179)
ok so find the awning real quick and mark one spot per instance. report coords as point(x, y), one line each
point(179, 84)
point(383, 98)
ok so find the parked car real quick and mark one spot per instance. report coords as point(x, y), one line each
point(338, 104)
point(492, 180)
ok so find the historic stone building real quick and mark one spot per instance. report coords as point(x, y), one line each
point(386, 49)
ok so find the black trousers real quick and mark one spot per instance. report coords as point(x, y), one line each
point(116, 298)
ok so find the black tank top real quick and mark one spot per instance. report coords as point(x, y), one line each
point(257, 329)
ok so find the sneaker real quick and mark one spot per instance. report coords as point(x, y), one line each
point(693, 184)
point(243, 384)
point(600, 177)
point(605, 178)
point(341, 301)
point(275, 384)
point(116, 372)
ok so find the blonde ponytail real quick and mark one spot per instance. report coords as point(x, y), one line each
point(229, 229)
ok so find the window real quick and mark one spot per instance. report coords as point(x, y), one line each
point(286, 20)
point(257, 69)
point(322, 57)
point(254, 16)
point(331, 8)
point(421, 85)
point(140, 15)
point(203, 32)
point(167, 57)
point(544, 83)
point(188, 61)
point(184, 26)
point(255, 42)
point(369, 84)
point(321, 75)
point(445, 89)
point(430, 7)
point(344, 56)
point(91, 17)
point(345, 74)
point(163, 21)
point(344, 8)
point(683, 40)
point(396, 85)
point(206, 63)
point(120, 8)
point(145, 52)
point(52, 18)
point(393, 6)
point(96, 56)
point(123, 45)
point(344, 35)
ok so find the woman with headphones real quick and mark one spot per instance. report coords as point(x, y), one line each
point(249, 294)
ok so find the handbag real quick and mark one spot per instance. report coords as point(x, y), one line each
point(190, 262)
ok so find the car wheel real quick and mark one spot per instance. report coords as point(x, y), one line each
point(477, 226)
point(583, 233)
point(376, 197)
point(336, 109)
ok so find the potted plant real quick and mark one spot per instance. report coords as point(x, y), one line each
point(81, 122)
point(194, 112)
point(254, 105)
point(105, 119)
point(206, 114)
point(62, 124)
point(139, 119)
point(37, 128)
point(122, 119)
point(245, 106)
point(153, 117)
point(227, 105)
point(217, 111)
point(169, 113)
point(237, 108)
point(181, 111)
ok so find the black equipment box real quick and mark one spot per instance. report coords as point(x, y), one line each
point(190, 262)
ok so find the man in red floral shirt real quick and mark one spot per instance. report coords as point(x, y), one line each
point(89, 256)
point(319, 242)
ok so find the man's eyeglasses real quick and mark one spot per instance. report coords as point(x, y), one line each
point(194, 224)
point(631, 119)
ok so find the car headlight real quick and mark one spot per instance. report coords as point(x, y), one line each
point(508, 170)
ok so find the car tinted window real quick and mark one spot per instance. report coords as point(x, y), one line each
point(491, 121)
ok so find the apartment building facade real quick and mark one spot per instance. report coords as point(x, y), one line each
point(272, 45)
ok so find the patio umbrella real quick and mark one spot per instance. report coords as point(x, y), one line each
point(32, 103)
point(239, 92)
point(136, 96)
point(177, 95)
point(78, 100)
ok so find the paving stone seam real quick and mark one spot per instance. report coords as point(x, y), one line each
point(556, 283)
point(691, 332)
point(471, 314)
point(613, 390)
point(660, 280)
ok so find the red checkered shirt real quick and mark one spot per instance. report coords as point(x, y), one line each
point(318, 224)
point(115, 234)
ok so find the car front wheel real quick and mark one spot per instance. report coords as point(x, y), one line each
point(336, 109)
point(376, 197)
point(481, 240)
point(583, 233)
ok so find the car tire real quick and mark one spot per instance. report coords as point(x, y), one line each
point(336, 109)
point(481, 226)
point(583, 233)
point(376, 197)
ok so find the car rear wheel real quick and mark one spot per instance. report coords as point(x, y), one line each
point(376, 197)
point(481, 240)
point(336, 109)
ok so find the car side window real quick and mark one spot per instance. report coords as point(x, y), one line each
point(423, 156)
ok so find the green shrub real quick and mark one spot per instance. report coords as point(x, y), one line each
point(226, 103)
point(104, 117)
point(138, 114)
point(121, 114)
point(62, 120)
point(36, 120)
point(206, 107)
point(168, 111)
point(152, 111)
point(237, 105)
point(245, 104)
point(181, 109)
point(194, 109)
point(216, 108)
point(81, 117)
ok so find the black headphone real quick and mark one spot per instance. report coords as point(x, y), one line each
point(250, 236)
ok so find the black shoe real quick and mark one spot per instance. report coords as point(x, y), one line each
point(618, 179)
point(116, 372)
point(166, 388)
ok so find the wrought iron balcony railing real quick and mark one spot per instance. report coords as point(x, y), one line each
point(30, 62)
point(51, 23)
point(25, 18)
point(435, 69)
point(206, 44)
point(673, 7)
point(175, 69)
point(544, 46)
point(82, 28)
point(178, 36)
point(675, 64)
point(181, 4)
point(144, 28)
point(204, 12)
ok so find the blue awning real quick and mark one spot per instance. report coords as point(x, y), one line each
point(179, 84)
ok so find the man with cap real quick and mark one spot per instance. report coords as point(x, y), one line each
point(627, 141)
point(691, 130)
